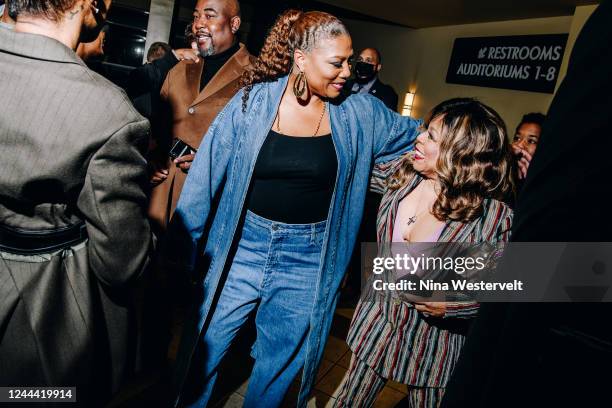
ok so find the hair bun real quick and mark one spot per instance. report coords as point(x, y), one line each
point(289, 17)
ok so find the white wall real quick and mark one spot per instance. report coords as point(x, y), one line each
point(160, 21)
point(417, 60)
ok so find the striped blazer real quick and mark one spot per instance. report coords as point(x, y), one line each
point(388, 334)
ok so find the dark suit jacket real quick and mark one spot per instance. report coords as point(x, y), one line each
point(145, 83)
point(382, 91)
point(72, 151)
point(524, 355)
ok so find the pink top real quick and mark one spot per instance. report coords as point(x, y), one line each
point(399, 228)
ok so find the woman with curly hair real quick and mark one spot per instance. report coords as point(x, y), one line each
point(451, 188)
point(277, 191)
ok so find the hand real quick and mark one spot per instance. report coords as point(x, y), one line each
point(523, 161)
point(188, 54)
point(158, 176)
point(433, 309)
point(184, 162)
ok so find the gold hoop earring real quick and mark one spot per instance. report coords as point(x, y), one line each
point(300, 84)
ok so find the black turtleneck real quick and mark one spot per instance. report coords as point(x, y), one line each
point(213, 63)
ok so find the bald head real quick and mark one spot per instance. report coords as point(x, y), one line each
point(229, 8)
point(371, 55)
point(232, 8)
point(215, 24)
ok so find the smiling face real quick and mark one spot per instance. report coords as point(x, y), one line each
point(427, 149)
point(526, 138)
point(215, 23)
point(326, 67)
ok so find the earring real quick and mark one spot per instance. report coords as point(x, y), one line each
point(94, 8)
point(300, 84)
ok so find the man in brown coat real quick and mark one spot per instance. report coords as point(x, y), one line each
point(195, 92)
point(73, 227)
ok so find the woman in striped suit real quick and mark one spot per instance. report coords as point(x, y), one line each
point(450, 188)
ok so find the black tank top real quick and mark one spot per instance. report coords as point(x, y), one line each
point(293, 180)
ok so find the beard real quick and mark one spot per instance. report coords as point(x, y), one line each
point(206, 51)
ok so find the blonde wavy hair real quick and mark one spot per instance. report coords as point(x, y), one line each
point(292, 30)
point(474, 162)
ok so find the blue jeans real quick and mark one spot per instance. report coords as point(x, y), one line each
point(273, 273)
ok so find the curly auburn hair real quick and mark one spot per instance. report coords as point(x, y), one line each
point(292, 30)
point(474, 162)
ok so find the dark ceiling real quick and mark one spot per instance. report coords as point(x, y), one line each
point(410, 13)
point(431, 13)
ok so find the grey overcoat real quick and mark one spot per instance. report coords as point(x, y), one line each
point(71, 151)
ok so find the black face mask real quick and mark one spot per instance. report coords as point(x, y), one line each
point(364, 70)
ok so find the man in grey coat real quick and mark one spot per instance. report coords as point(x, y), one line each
point(73, 229)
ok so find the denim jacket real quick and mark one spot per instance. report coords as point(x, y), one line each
point(364, 132)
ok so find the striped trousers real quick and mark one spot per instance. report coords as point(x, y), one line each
point(362, 385)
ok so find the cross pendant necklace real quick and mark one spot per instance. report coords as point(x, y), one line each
point(412, 220)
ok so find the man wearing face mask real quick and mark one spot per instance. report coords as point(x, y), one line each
point(194, 93)
point(73, 235)
point(367, 67)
